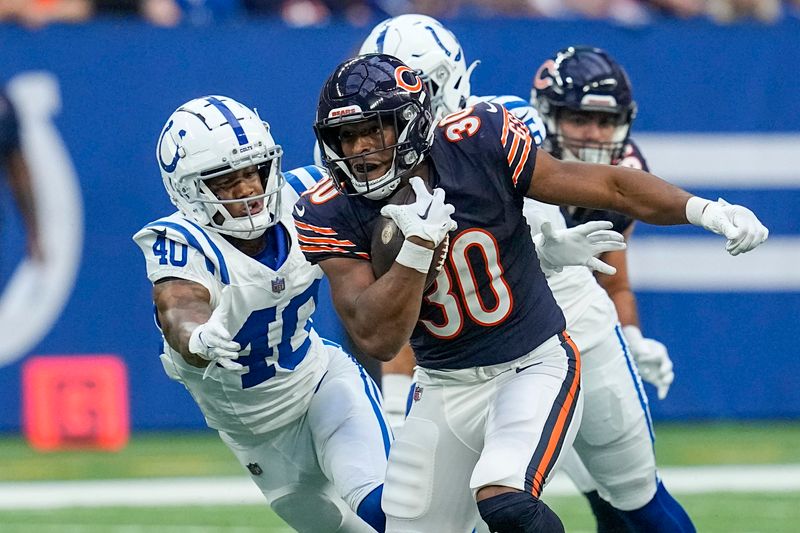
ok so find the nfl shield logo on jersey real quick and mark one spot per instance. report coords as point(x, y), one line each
point(278, 285)
point(417, 393)
point(255, 469)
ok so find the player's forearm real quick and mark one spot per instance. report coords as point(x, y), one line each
point(181, 309)
point(383, 316)
point(646, 197)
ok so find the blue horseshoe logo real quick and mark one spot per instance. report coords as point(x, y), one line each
point(171, 166)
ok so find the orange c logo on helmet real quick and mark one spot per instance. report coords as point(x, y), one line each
point(544, 76)
point(398, 77)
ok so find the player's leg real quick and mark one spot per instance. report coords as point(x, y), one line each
point(532, 417)
point(615, 440)
point(608, 519)
point(427, 480)
point(283, 465)
point(351, 435)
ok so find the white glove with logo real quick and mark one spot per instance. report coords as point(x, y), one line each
point(427, 218)
point(652, 358)
point(395, 389)
point(578, 246)
point(737, 223)
point(212, 342)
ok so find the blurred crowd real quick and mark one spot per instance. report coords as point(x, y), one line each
point(37, 13)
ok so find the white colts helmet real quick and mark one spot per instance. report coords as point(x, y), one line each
point(425, 45)
point(211, 136)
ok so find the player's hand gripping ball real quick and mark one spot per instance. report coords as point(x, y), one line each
point(387, 239)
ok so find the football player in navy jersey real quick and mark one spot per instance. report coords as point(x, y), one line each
point(18, 175)
point(498, 395)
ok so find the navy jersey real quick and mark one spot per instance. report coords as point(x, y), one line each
point(574, 216)
point(491, 304)
point(9, 128)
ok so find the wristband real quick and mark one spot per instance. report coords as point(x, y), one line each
point(694, 210)
point(415, 256)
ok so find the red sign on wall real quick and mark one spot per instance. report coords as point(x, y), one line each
point(75, 401)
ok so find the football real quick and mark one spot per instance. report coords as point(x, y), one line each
point(387, 239)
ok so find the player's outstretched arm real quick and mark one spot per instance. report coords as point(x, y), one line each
point(184, 312)
point(642, 196)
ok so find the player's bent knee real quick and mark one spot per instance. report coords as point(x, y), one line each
point(369, 510)
point(519, 512)
point(308, 512)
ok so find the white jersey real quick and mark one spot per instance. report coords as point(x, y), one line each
point(267, 310)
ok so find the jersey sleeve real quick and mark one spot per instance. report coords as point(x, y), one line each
point(518, 150)
point(324, 229)
point(167, 257)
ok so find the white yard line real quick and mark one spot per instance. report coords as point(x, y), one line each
point(241, 491)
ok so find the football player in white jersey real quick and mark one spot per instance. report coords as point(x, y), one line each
point(234, 297)
point(615, 437)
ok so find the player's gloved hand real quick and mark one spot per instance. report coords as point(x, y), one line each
point(395, 389)
point(212, 342)
point(427, 218)
point(652, 358)
point(578, 246)
point(737, 223)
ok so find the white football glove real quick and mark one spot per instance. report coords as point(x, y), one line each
point(737, 223)
point(212, 342)
point(652, 358)
point(427, 218)
point(578, 246)
point(395, 389)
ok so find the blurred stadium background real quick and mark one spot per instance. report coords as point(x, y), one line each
point(718, 114)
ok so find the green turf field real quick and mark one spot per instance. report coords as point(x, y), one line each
point(202, 454)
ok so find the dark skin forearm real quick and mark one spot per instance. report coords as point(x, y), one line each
point(379, 314)
point(635, 193)
point(182, 306)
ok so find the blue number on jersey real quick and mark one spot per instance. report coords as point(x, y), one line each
point(255, 333)
point(160, 251)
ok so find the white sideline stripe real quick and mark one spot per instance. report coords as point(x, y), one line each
point(241, 491)
point(735, 161)
point(701, 264)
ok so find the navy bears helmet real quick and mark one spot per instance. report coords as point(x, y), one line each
point(583, 79)
point(360, 90)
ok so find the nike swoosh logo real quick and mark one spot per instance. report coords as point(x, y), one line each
point(424, 214)
point(300, 210)
point(524, 368)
